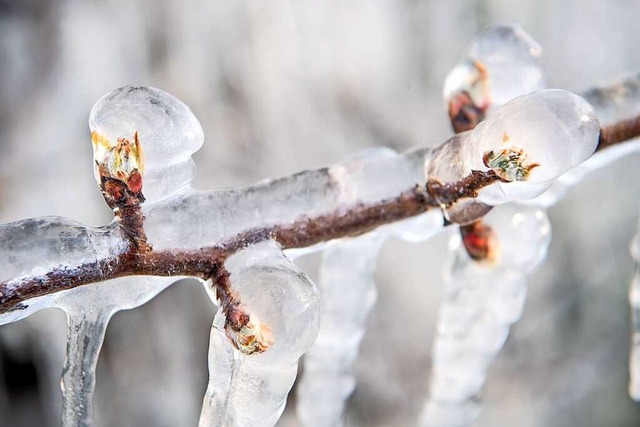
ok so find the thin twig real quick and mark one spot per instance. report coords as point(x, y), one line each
point(141, 259)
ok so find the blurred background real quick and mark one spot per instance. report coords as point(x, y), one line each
point(282, 86)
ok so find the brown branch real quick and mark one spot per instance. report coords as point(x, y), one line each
point(205, 262)
point(208, 262)
point(465, 115)
point(619, 132)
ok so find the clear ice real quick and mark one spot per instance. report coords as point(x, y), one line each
point(168, 131)
point(89, 310)
point(147, 131)
point(252, 389)
point(615, 102)
point(568, 137)
point(348, 294)
point(454, 397)
point(486, 70)
point(482, 300)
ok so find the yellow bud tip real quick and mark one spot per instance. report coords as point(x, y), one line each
point(254, 337)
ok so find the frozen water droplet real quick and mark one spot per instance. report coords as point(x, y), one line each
point(503, 62)
point(524, 234)
point(168, 132)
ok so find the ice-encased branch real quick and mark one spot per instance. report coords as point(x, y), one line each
point(251, 389)
point(348, 291)
point(191, 232)
point(490, 73)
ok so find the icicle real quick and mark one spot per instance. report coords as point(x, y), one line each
point(84, 340)
point(634, 300)
point(481, 301)
point(249, 381)
point(348, 294)
point(89, 310)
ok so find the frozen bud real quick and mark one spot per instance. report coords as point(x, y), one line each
point(528, 143)
point(509, 164)
point(144, 137)
point(280, 302)
point(503, 62)
point(531, 141)
point(480, 241)
point(246, 332)
point(123, 162)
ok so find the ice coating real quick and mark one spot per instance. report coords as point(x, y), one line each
point(634, 302)
point(481, 301)
point(348, 294)
point(167, 130)
point(179, 221)
point(35, 246)
point(361, 180)
point(556, 129)
point(613, 102)
point(551, 131)
point(503, 62)
point(251, 390)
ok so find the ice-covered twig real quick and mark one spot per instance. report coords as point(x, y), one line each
point(181, 238)
point(482, 286)
point(348, 293)
point(143, 140)
point(247, 385)
point(618, 106)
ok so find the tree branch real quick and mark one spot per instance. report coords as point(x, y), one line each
point(139, 257)
point(204, 262)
